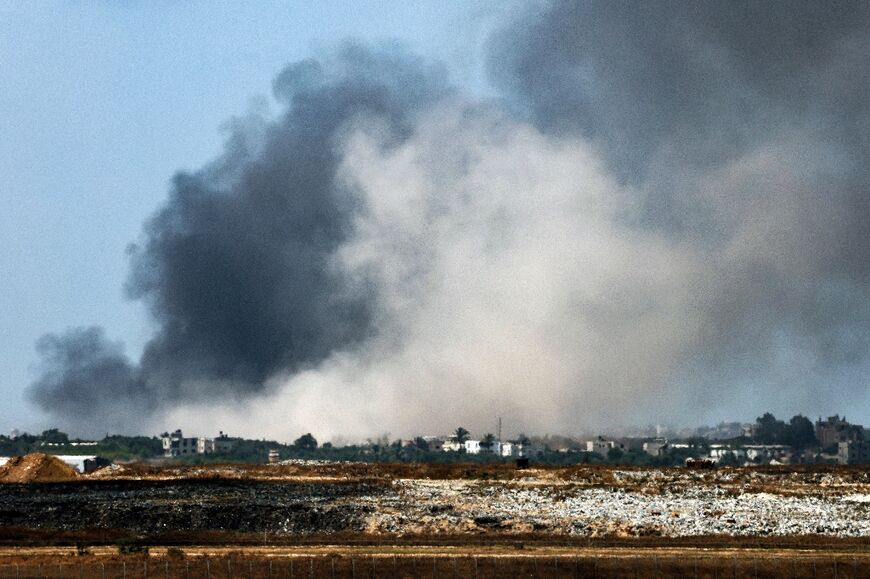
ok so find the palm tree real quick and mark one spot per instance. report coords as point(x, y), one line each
point(461, 435)
point(488, 440)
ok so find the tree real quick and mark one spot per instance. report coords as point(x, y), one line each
point(488, 440)
point(769, 430)
point(421, 444)
point(461, 435)
point(305, 442)
point(801, 433)
point(55, 436)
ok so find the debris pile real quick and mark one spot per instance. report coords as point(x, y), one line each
point(36, 467)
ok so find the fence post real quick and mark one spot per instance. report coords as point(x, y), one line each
point(311, 568)
point(475, 567)
point(124, 569)
point(103, 570)
point(352, 568)
point(333, 567)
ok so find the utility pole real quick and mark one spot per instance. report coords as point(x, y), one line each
point(499, 428)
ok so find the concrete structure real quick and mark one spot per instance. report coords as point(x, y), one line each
point(84, 463)
point(853, 452)
point(450, 444)
point(719, 451)
point(599, 446)
point(766, 451)
point(435, 443)
point(835, 430)
point(472, 447)
point(655, 447)
point(223, 443)
point(176, 444)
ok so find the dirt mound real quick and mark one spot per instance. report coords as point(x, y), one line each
point(36, 467)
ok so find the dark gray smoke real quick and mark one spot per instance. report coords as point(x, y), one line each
point(235, 268)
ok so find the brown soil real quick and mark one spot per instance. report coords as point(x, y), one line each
point(36, 467)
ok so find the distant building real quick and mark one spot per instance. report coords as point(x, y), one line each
point(853, 452)
point(720, 451)
point(766, 451)
point(223, 443)
point(655, 447)
point(472, 447)
point(451, 444)
point(599, 446)
point(176, 444)
point(835, 430)
point(435, 443)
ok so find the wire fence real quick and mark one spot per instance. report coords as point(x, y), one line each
point(477, 567)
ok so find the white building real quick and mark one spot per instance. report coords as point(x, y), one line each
point(599, 446)
point(655, 447)
point(451, 445)
point(176, 444)
point(720, 451)
point(472, 447)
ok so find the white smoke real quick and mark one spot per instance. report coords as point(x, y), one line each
point(510, 283)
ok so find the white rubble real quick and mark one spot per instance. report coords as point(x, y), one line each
point(672, 509)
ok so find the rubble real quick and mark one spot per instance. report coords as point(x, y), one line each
point(334, 498)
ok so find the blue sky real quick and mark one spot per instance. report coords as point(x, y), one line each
point(101, 102)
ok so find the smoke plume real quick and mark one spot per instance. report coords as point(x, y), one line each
point(666, 217)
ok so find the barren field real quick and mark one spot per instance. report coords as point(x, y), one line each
point(420, 500)
point(362, 520)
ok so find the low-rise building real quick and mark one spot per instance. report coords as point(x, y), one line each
point(472, 447)
point(176, 444)
point(853, 452)
point(835, 430)
point(435, 443)
point(599, 446)
point(720, 451)
point(655, 447)
point(223, 443)
point(451, 444)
